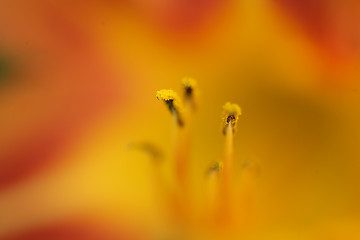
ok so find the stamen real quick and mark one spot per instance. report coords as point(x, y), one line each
point(181, 150)
point(230, 116)
point(189, 84)
point(216, 167)
point(174, 103)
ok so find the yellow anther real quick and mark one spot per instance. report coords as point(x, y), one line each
point(166, 95)
point(173, 101)
point(230, 115)
point(189, 84)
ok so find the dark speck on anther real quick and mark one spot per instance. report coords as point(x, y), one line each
point(170, 104)
point(188, 91)
point(230, 118)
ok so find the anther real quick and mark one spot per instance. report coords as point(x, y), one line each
point(230, 116)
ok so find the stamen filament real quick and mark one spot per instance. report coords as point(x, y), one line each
point(181, 166)
point(213, 175)
point(228, 162)
point(226, 184)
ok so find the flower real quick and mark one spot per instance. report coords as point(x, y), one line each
point(78, 112)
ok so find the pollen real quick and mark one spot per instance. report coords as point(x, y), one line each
point(173, 101)
point(166, 95)
point(230, 116)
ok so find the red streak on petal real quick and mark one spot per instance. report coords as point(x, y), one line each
point(78, 230)
point(332, 25)
point(186, 20)
point(26, 157)
point(311, 13)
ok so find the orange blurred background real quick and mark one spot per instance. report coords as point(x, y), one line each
point(78, 82)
